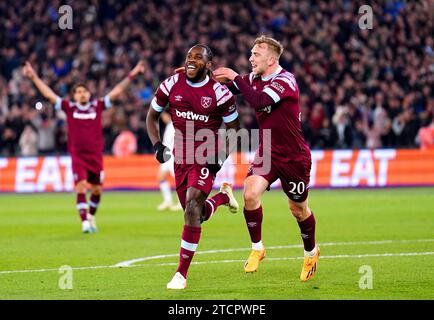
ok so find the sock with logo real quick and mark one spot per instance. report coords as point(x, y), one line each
point(307, 229)
point(189, 241)
point(82, 206)
point(94, 203)
point(213, 203)
point(254, 225)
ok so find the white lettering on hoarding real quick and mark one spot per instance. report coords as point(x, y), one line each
point(340, 166)
point(383, 156)
point(363, 169)
point(342, 175)
point(28, 179)
point(316, 156)
point(49, 175)
point(25, 174)
point(68, 183)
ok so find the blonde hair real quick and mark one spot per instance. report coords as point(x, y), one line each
point(273, 44)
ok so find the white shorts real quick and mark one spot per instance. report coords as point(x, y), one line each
point(168, 166)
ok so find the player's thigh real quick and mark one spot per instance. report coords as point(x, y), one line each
point(258, 180)
point(194, 206)
point(295, 177)
point(79, 171)
point(181, 191)
point(194, 198)
point(95, 177)
point(201, 178)
point(254, 187)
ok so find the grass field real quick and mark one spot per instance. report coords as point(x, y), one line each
point(383, 229)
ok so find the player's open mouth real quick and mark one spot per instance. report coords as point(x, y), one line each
point(190, 67)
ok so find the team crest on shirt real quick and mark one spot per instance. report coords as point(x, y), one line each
point(206, 102)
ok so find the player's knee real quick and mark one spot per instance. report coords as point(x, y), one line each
point(251, 197)
point(193, 209)
point(300, 212)
point(81, 187)
point(96, 190)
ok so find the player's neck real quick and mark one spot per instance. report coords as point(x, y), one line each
point(200, 83)
point(271, 72)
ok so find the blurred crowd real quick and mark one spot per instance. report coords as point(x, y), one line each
point(359, 88)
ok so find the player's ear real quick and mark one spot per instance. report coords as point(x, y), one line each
point(208, 64)
point(271, 60)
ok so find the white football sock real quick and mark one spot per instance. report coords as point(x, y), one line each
point(257, 245)
point(165, 191)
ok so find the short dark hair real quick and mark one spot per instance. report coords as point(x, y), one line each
point(78, 85)
point(207, 49)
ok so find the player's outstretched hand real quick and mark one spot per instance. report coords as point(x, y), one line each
point(162, 153)
point(224, 74)
point(179, 70)
point(139, 68)
point(28, 71)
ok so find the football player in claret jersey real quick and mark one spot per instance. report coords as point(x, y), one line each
point(273, 93)
point(198, 105)
point(85, 140)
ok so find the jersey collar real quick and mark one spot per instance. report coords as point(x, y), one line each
point(270, 76)
point(198, 84)
point(82, 107)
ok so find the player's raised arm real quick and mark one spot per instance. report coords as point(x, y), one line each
point(256, 99)
point(45, 90)
point(121, 86)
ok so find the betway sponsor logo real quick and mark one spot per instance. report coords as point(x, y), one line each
point(192, 116)
point(84, 116)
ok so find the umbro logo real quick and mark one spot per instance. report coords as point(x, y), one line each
point(185, 256)
point(178, 98)
point(304, 236)
point(201, 183)
point(251, 224)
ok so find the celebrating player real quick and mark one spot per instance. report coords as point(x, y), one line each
point(273, 93)
point(85, 141)
point(198, 105)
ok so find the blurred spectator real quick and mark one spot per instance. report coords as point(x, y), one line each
point(341, 131)
point(46, 128)
point(125, 144)
point(426, 136)
point(29, 141)
point(144, 144)
point(388, 70)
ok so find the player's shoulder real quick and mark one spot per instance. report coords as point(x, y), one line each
point(167, 85)
point(218, 87)
point(221, 91)
point(284, 74)
point(286, 77)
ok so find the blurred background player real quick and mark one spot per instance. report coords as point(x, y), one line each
point(196, 103)
point(273, 93)
point(166, 168)
point(85, 142)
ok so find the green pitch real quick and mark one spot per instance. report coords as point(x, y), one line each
point(389, 232)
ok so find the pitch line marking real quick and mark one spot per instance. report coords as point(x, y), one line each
point(325, 244)
point(342, 256)
point(129, 263)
